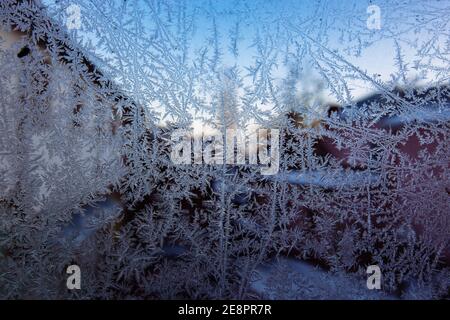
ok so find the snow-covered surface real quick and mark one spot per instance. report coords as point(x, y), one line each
point(289, 278)
point(329, 178)
point(423, 114)
point(85, 224)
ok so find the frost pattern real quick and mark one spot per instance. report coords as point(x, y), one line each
point(86, 177)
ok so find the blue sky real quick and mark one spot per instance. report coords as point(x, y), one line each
point(340, 26)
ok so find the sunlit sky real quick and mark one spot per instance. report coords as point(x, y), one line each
point(341, 26)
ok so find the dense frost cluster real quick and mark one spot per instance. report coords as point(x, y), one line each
point(89, 98)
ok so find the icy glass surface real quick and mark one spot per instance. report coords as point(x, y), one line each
point(355, 96)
